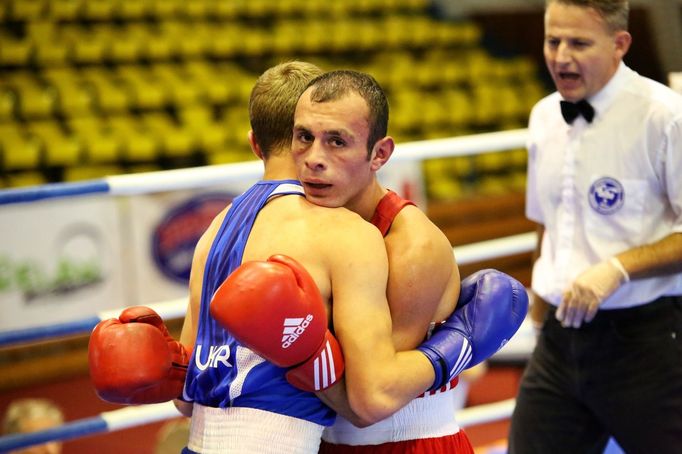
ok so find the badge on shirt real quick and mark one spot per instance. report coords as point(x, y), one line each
point(606, 195)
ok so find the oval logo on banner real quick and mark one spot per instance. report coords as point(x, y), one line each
point(176, 236)
point(606, 195)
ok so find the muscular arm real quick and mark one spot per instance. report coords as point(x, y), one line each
point(378, 381)
point(423, 283)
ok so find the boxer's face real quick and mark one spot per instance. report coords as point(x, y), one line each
point(330, 149)
point(580, 51)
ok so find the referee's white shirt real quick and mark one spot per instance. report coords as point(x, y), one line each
point(608, 186)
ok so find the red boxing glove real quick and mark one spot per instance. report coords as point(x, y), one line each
point(275, 309)
point(134, 360)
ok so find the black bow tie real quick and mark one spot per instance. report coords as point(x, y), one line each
point(571, 110)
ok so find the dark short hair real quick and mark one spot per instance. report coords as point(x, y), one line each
point(334, 85)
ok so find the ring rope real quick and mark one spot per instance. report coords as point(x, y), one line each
point(168, 310)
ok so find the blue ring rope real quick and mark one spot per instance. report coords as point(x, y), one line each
point(52, 190)
point(76, 429)
point(16, 336)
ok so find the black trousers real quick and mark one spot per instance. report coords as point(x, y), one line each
point(619, 375)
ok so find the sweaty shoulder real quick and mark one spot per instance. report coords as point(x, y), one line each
point(414, 233)
point(342, 224)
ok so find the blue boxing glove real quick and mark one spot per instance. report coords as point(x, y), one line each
point(491, 308)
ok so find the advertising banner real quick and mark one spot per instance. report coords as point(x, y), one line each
point(59, 260)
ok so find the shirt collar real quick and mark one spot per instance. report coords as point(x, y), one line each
point(603, 99)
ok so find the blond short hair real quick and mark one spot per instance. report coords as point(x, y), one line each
point(273, 102)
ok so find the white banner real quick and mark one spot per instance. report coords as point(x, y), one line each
point(59, 260)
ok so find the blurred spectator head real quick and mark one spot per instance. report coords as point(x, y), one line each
point(32, 415)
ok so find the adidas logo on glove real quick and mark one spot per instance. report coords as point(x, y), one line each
point(293, 328)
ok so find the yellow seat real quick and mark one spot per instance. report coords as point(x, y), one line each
point(131, 9)
point(60, 149)
point(176, 141)
point(36, 101)
point(179, 87)
point(24, 178)
point(98, 141)
point(147, 93)
point(101, 147)
point(162, 9)
point(27, 10)
point(51, 53)
point(100, 10)
point(196, 9)
point(74, 96)
point(87, 48)
point(126, 45)
point(20, 150)
point(495, 162)
point(157, 46)
point(64, 10)
point(90, 172)
point(234, 154)
point(15, 52)
point(8, 104)
point(198, 121)
point(112, 96)
point(138, 144)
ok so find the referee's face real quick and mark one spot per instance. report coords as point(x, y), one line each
point(581, 53)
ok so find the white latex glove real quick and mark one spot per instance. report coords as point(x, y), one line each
point(581, 301)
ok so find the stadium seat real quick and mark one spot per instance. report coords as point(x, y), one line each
point(60, 149)
point(20, 150)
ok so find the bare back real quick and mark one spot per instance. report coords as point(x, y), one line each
point(331, 243)
point(312, 235)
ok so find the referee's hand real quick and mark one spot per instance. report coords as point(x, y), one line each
point(581, 301)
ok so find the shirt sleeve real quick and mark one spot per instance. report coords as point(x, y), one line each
point(673, 169)
point(533, 209)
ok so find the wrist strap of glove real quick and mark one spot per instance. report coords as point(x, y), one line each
point(439, 366)
point(324, 368)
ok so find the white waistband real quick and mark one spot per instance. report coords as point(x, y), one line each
point(426, 417)
point(248, 430)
